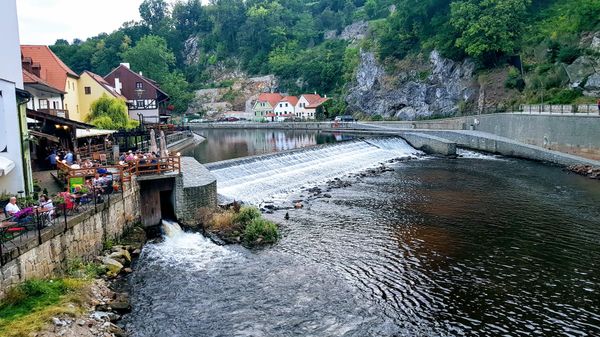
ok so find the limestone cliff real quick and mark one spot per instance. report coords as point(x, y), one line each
point(418, 89)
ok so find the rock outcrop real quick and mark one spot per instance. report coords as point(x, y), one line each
point(436, 87)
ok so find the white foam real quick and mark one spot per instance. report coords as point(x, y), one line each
point(262, 179)
point(463, 153)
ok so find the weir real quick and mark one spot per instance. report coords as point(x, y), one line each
point(254, 179)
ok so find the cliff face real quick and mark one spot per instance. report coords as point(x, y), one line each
point(437, 87)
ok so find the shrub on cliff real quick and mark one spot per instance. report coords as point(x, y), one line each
point(260, 231)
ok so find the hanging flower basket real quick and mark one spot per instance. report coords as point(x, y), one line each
point(170, 107)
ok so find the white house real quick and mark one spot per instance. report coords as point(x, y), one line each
point(286, 108)
point(45, 98)
point(307, 105)
point(15, 167)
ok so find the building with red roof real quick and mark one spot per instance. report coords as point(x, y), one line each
point(145, 99)
point(265, 105)
point(285, 108)
point(308, 106)
point(45, 65)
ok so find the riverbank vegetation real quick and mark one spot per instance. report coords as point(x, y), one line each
point(30, 306)
point(237, 224)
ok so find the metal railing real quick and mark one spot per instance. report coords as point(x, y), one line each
point(31, 224)
point(553, 109)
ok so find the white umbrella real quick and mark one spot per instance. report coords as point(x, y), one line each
point(163, 145)
point(153, 146)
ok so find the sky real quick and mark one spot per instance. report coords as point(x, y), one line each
point(45, 21)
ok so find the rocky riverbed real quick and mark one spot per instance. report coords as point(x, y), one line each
point(585, 170)
point(106, 298)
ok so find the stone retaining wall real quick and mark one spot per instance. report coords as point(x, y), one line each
point(83, 239)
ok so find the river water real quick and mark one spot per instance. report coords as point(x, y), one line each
point(480, 246)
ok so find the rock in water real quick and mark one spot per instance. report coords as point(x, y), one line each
point(287, 216)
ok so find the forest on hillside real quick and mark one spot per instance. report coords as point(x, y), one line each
point(288, 38)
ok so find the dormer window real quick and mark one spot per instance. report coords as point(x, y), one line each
point(139, 85)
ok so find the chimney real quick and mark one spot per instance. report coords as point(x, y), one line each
point(126, 65)
point(325, 95)
point(141, 74)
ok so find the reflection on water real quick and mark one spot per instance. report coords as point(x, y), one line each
point(438, 247)
point(230, 144)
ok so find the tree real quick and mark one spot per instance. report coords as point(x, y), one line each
point(489, 28)
point(110, 113)
point(154, 13)
point(152, 57)
point(175, 85)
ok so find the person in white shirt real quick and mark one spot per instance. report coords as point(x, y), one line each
point(46, 203)
point(12, 208)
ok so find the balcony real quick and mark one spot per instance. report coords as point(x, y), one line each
point(56, 112)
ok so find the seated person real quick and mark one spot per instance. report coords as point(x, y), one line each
point(46, 203)
point(12, 208)
point(99, 182)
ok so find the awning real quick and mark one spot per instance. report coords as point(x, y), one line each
point(6, 165)
point(44, 135)
point(84, 133)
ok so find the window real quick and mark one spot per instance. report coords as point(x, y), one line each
point(55, 104)
point(286, 105)
point(88, 90)
point(140, 103)
point(139, 85)
point(281, 105)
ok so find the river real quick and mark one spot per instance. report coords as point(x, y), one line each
point(478, 246)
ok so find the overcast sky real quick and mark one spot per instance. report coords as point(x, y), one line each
point(45, 21)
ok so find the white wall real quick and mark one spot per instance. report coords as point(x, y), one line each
point(43, 95)
point(10, 78)
point(150, 116)
point(281, 109)
point(302, 111)
point(10, 50)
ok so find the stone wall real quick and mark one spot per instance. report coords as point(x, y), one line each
point(82, 238)
point(196, 187)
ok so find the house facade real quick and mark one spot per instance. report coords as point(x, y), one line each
point(308, 105)
point(286, 108)
point(264, 107)
point(145, 99)
point(90, 88)
point(58, 75)
point(45, 97)
point(15, 169)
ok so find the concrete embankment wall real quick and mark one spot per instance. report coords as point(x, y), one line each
point(82, 239)
point(574, 134)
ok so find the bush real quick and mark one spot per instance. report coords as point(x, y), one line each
point(568, 54)
point(260, 231)
point(514, 80)
point(377, 118)
point(222, 222)
point(565, 96)
point(245, 216)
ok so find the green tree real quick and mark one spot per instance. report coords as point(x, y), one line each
point(489, 28)
point(110, 113)
point(154, 13)
point(151, 56)
point(175, 85)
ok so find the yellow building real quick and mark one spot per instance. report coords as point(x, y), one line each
point(91, 87)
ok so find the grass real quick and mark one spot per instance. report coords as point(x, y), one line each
point(31, 305)
point(245, 223)
point(260, 231)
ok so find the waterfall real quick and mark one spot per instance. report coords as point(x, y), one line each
point(269, 176)
point(171, 229)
